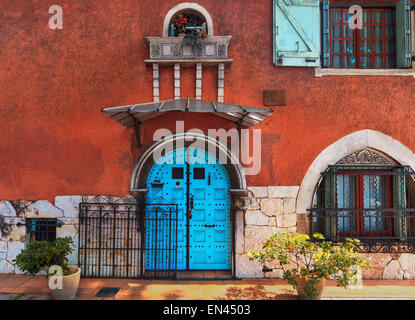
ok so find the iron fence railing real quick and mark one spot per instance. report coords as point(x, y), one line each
point(127, 240)
point(378, 229)
point(161, 226)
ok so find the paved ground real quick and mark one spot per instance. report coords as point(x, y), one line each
point(19, 287)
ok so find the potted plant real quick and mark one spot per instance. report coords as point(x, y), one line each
point(180, 25)
point(51, 257)
point(307, 264)
point(191, 34)
point(193, 39)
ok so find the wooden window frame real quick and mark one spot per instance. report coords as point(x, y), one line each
point(405, 66)
point(358, 194)
point(357, 38)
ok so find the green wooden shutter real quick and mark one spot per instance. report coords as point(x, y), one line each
point(325, 21)
point(403, 34)
point(399, 202)
point(297, 33)
point(330, 196)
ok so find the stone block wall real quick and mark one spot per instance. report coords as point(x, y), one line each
point(13, 237)
point(390, 266)
point(266, 210)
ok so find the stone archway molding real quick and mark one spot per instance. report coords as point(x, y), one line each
point(140, 172)
point(343, 147)
point(184, 6)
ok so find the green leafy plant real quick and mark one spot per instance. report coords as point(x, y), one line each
point(16, 297)
point(41, 255)
point(300, 257)
point(193, 39)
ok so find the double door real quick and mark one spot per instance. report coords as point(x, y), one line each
point(200, 189)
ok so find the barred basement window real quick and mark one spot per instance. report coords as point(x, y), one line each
point(41, 229)
point(368, 200)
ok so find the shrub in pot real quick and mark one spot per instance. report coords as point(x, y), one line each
point(52, 257)
point(307, 264)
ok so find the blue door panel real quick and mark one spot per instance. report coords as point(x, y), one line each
point(199, 194)
point(220, 215)
point(200, 256)
point(198, 236)
point(198, 215)
point(220, 194)
point(220, 256)
point(220, 236)
point(181, 215)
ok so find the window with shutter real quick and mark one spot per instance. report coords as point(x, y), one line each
point(403, 32)
point(297, 33)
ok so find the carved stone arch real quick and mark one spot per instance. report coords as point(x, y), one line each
point(392, 149)
point(191, 6)
point(140, 172)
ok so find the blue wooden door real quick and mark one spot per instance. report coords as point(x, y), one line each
point(200, 188)
point(210, 237)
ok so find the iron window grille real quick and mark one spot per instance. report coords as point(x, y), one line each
point(42, 229)
point(370, 203)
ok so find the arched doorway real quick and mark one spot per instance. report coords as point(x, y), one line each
point(199, 186)
point(230, 185)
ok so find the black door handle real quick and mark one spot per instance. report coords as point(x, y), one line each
point(210, 225)
point(191, 205)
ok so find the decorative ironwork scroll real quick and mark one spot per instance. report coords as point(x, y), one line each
point(365, 156)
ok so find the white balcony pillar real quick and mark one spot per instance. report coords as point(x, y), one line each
point(177, 81)
point(221, 82)
point(199, 81)
point(156, 82)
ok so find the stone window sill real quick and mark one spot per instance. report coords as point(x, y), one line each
point(320, 72)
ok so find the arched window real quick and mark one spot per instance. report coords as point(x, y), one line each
point(186, 18)
point(365, 195)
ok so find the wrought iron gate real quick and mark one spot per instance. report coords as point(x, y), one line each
point(117, 241)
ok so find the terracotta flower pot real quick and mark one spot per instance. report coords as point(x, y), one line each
point(70, 285)
point(301, 284)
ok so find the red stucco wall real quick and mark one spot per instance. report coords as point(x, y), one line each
point(53, 84)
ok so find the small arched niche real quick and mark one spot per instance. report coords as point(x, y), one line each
point(195, 15)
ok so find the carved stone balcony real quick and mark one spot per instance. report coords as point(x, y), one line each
point(168, 51)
